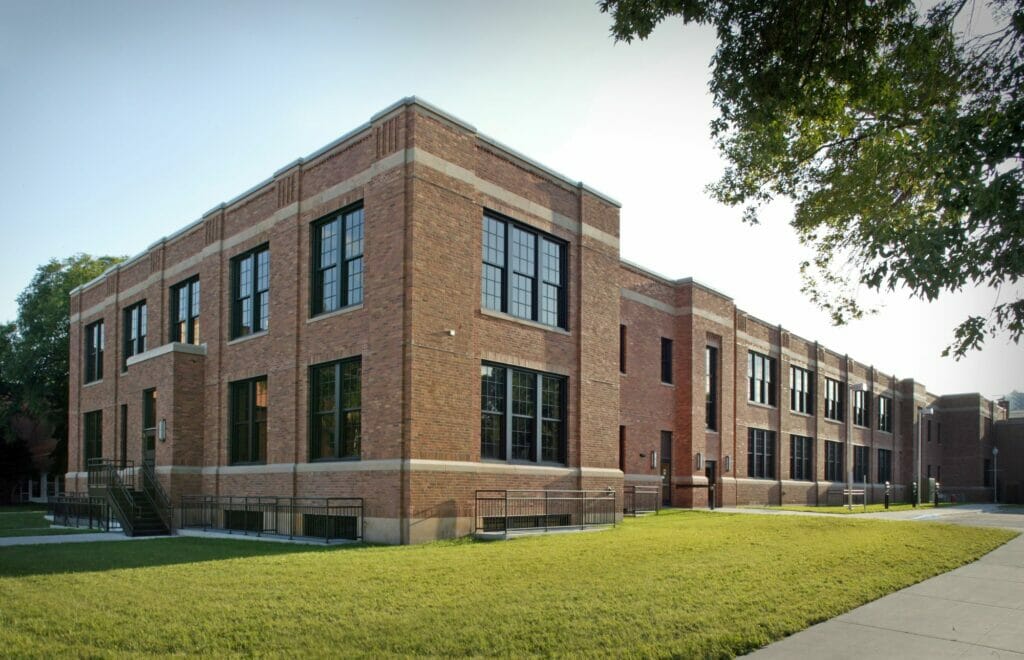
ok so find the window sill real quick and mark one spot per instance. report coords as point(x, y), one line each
point(350, 459)
point(766, 406)
point(239, 340)
point(861, 426)
point(801, 414)
point(837, 422)
point(338, 312)
point(502, 461)
point(711, 431)
point(527, 322)
point(671, 385)
point(92, 383)
point(246, 463)
point(886, 432)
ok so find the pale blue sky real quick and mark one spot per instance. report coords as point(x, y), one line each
point(122, 122)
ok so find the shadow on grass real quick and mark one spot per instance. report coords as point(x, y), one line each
point(57, 558)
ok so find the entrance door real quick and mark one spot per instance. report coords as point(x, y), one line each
point(149, 427)
point(666, 468)
point(709, 472)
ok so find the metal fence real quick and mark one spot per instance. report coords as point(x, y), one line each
point(327, 518)
point(504, 511)
point(81, 511)
point(641, 499)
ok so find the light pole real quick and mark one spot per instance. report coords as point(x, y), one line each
point(921, 412)
point(995, 477)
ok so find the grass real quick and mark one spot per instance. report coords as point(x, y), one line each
point(679, 584)
point(857, 508)
point(30, 521)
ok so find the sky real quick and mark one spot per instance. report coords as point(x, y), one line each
point(122, 122)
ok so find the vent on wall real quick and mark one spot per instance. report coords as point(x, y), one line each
point(213, 225)
point(387, 136)
point(741, 323)
point(156, 261)
point(111, 285)
point(287, 189)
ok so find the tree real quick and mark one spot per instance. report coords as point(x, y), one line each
point(896, 133)
point(34, 351)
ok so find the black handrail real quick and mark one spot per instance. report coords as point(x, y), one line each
point(117, 480)
point(641, 499)
point(157, 495)
point(329, 518)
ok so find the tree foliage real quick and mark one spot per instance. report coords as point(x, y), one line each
point(34, 349)
point(897, 134)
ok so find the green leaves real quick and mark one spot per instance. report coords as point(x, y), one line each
point(899, 142)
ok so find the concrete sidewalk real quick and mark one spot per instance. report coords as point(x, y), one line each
point(975, 611)
point(8, 541)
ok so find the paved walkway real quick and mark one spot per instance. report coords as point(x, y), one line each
point(6, 541)
point(975, 611)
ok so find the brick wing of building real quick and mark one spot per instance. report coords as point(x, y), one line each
point(415, 313)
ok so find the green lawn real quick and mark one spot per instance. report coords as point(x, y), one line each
point(681, 583)
point(857, 508)
point(30, 521)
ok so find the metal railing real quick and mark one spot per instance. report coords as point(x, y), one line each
point(81, 511)
point(504, 511)
point(641, 499)
point(327, 518)
point(115, 482)
point(156, 494)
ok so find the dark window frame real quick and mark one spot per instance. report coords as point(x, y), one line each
point(190, 291)
point(622, 348)
point(256, 295)
point(346, 254)
point(761, 390)
point(505, 451)
point(861, 409)
point(343, 442)
point(801, 390)
point(666, 360)
point(801, 458)
point(885, 413)
point(711, 388)
point(861, 463)
point(884, 467)
point(761, 453)
point(834, 459)
point(835, 400)
point(257, 446)
point(95, 342)
point(92, 436)
point(538, 278)
point(136, 327)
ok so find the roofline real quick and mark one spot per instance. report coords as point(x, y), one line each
point(682, 281)
point(401, 103)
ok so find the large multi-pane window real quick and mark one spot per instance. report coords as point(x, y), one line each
point(250, 292)
point(666, 360)
point(248, 406)
point(760, 454)
point(801, 390)
point(834, 400)
point(884, 465)
point(92, 435)
point(338, 261)
point(335, 391)
point(885, 414)
point(524, 272)
point(522, 415)
point(861, 463)
point(834, 461)
point(801, 458)
point(761, 378)
point(711, 388)
point(135, 323)
point(94, 343)
point(185, 312)
point(861, 410)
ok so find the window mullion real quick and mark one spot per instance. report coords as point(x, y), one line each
point(341, 261)
point(339, 428)
point(538, 422)
point(537, 283)
point(508, 413)
point(506, 284)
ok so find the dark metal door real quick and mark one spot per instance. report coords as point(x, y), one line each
point(709, 472)
point(149, 427)
point(666, 482)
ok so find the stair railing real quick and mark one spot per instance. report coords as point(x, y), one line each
point(156, 493)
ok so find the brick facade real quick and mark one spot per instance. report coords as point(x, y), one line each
point(424, 180)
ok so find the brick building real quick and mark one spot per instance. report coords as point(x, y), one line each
point(416, 312)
